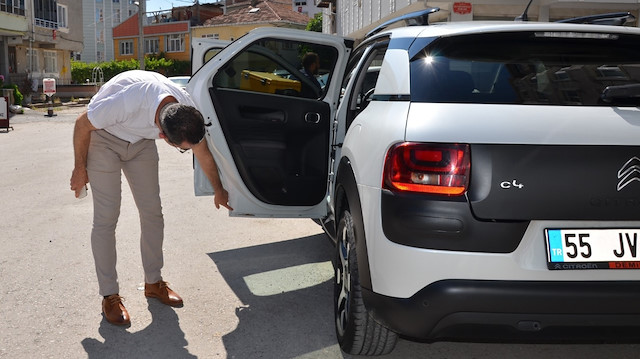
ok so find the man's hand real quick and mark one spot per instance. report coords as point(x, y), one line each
point(221, 198)
point(210, 169)
point(79, 179)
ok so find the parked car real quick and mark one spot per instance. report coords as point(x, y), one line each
point(181, 81)
point(480, 180)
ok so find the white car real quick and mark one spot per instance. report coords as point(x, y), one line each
point(181, 81)
point(479, 179)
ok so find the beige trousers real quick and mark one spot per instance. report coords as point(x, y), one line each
point(109, 156)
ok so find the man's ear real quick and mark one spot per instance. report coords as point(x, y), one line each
point(161, 135)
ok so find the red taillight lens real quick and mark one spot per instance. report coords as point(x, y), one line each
point(427, 168)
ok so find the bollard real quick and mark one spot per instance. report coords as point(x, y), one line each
point(50, 107)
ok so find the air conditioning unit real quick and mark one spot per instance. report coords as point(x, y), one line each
point(14, 40)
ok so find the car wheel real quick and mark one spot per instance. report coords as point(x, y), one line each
point(358, 333)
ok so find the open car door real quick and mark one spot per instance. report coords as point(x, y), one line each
point(204, 49)
point(271, 124)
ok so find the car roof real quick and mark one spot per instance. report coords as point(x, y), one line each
point(478, 27)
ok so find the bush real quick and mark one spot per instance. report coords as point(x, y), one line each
point(315, 24)
point(166, 66)
point(17, 95)
point(81, 71)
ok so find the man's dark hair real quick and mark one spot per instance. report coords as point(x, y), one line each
point(309, 58)
point(182, 123)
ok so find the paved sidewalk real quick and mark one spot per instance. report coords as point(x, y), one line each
point(49, 305)
point(66, 112)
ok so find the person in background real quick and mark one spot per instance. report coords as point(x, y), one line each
point(310, 68)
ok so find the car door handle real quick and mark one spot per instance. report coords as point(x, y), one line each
point(312, 117)
point(262, 114)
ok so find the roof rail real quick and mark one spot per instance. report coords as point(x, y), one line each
point(415, 18)
point(614, 18)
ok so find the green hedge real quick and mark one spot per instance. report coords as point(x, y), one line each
point(81, 71)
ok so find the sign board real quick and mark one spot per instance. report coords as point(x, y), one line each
point(462, 8)
point(462, 11)
point(4, 113)
point(4, 108)
point(49, 86)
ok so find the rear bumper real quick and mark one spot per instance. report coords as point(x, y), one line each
point(514, 310)
point(445, 224)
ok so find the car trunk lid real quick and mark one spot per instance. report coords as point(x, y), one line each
point(513, 182)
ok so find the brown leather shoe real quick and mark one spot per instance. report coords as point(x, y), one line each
point(162, 291)
point(114, 311)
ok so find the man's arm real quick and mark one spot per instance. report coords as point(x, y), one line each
point(208, 165)
point(81, 140)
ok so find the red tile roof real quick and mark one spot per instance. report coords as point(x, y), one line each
point(129, 27)
point(269, 11)
point(167, 27)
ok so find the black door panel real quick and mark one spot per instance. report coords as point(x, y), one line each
point(280, 144)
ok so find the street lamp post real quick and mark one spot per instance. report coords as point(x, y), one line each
point(141, 15)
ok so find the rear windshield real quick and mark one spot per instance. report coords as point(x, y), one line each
point(542, 68)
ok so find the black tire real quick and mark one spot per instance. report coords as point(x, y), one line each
point(358, 333)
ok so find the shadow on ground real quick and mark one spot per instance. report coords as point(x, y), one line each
point(286, 290)
point(163, 338)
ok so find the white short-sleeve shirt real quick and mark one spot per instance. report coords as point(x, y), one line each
point(126, 105)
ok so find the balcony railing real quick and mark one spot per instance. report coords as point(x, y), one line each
point(47, 23)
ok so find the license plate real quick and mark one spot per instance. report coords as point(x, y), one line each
point(593, 248)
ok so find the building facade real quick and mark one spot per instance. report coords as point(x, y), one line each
point(99, 17)
point(38, 39)
point(353, 18)
point(172, 38)
point(307, 7)
point(242, 16)
point(14, 25)
point(196, 14)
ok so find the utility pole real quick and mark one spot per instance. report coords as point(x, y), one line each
point(141, 16)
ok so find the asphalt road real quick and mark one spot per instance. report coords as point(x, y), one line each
point(253, 288)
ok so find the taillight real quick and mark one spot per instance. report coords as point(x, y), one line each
point(427, 168)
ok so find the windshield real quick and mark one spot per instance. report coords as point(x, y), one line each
point(541, 68)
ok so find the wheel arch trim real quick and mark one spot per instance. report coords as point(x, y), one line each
point(347, 189)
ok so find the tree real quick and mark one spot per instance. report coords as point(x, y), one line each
point(315, 24)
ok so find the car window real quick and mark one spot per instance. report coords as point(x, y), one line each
point(552, 68)
point(355, 58)
point(278, 67)
point(365, 78)
point(351, 65)
point(211, 53)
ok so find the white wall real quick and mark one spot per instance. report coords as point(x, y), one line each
point(359, 16)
